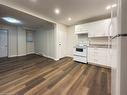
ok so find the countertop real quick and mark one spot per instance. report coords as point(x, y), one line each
point(99, 46)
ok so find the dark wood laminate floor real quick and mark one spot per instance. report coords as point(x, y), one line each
point(37, 75)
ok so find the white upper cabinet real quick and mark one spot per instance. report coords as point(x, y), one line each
point(99, 28)
point(81, 29)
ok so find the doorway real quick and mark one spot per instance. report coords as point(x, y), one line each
point(29, 42)
point(3, 43)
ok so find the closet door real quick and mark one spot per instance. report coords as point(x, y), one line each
point(3, 43)
point(29, 42)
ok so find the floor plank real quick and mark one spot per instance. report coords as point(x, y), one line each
point(38, 75)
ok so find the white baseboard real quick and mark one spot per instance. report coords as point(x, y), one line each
point(31, 53)
point(34, 53)
point(12, 56)
point(47, 56)
point(52, 58)
point(22, 55)
point(56, 59)
point(39, 54)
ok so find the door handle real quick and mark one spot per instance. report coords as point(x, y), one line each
point(119, 35)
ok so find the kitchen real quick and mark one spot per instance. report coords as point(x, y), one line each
point(96, 37)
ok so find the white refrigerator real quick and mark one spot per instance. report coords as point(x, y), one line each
point(119, 48)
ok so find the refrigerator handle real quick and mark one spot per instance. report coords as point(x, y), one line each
point(119, 35)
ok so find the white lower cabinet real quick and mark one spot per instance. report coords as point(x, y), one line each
point(99, 56)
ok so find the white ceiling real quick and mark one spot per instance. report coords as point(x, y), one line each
point(27, 20)
point(76, 9)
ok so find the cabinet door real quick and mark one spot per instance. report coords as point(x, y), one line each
point(91, 55)
point(100, 56)
point(99, 28)
point(102, 59)
point(102, 28)
point(81, 29)
point(109, 57)
point(106, 27)
point(91, 29)
point(77, 28)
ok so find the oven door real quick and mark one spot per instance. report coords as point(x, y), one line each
point(80, 52)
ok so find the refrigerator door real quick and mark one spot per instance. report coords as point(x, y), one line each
point(119, 66)
point(115, 20)
point(115, 64)
point(116, 42)
point(123, 17)
point(123, 48)
point(123, 66)
point(119, 48)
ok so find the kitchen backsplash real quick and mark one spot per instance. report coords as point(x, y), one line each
point(83, 38)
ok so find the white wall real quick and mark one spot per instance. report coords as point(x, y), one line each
point(83, 38)
point(16, 40)
point(72, 39)
point(12, 38)
point(21, 41)
point(52, 41)
point(45, 42)
point(61, 41)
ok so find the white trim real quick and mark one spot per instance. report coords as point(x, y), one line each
point(12, 55)
point(22, 55)
point(47, 56)
point(56, 59)
point(30, 53)
point(39, 54)
point(51, 57)
point(34, 53)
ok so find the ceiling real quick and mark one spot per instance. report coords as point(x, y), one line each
point(76, 9)
point(27, 20)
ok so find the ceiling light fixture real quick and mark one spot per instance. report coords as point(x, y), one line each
point(111, 6)
point(11, 20)
point(69, 19)
point(114, 5)
point(33, 0)
point(57, 11)
point(108, 7)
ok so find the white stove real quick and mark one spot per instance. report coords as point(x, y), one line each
point(80, 53)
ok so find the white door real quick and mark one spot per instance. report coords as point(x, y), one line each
point(61, 41)
point(61, 44)
point(3, 43)
point(29, 42)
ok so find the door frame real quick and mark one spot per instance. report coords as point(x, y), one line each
point(7, 41)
